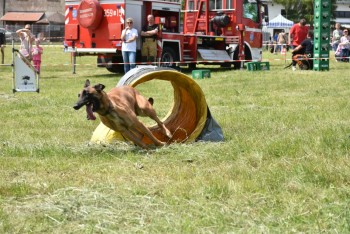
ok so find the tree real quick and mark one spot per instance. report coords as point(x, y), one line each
point(297, 9)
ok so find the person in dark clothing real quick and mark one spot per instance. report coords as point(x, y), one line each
point(2, 46)
point(303, 53)
point(149, 36)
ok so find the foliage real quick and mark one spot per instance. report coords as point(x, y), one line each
point(283, 167)
point(297, 9)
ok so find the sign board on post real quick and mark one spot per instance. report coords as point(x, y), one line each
point(26, 79)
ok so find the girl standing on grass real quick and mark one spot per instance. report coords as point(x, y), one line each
point(37, 51)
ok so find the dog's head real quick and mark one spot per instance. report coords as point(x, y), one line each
point(90, 97)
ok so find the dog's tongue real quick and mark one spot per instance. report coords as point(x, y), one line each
point(90, 114)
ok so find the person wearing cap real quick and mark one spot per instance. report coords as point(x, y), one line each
point(129, 37)
point(149, 36)
point(297, 33)
point(27, 39)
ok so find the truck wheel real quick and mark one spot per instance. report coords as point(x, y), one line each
point(225, 65)
point(192, 66)
point(248, 56)
point(168, 57)
point(116, 68)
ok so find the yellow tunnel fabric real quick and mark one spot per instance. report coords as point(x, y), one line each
point(186, 118)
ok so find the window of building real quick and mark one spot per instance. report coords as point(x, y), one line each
point(283, 12)
point(228, 4)
point(342, 14)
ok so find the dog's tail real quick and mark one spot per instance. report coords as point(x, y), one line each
point(150, 100)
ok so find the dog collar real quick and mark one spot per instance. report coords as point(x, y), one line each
point(110, 106)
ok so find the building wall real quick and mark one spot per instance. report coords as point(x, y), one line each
point(2, 10)
point(274, 11)
point(343, 6)
point(52, 32)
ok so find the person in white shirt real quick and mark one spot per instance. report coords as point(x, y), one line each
point(337, 34)
point(129, 37)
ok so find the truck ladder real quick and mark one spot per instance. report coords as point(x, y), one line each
point(188, 50)
point(205, 19)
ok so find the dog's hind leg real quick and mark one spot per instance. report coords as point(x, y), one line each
point(131, 136)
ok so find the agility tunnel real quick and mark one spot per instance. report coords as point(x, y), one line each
point(188, 120)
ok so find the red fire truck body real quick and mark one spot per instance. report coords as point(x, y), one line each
point(221, 32)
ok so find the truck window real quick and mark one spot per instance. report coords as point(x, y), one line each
point(228, 4)
point(190, 5)
point(203, 7)
point(250, 10)
point(215, 4)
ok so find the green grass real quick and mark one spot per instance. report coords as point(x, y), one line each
point(283, 167)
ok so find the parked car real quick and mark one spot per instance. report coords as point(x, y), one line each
point(9, 35)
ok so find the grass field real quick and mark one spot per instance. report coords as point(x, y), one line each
point(283, 167)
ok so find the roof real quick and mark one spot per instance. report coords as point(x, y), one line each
point(280, 22)
point(22, 16)
point(52, 18)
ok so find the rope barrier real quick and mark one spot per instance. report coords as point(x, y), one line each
point(211, 61)
point(185, 62)
point(284, 44)
point(188, 62)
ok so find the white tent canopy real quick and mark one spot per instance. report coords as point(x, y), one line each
point(280, 22)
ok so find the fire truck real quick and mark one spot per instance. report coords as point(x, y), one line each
point(223, 32)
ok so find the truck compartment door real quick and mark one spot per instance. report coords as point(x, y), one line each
point(71, 32)
point(114, 31)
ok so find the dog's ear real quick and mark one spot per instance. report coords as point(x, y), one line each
point(99, 87)
point(87, 83)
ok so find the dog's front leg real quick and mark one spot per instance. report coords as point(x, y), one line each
point(161, 125)
point(141, 127)
point(147, 110)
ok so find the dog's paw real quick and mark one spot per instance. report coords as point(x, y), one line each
point(168, 134)
point(160, 143)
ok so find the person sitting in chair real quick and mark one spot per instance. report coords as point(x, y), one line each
point(345, 46)
point(303, 53)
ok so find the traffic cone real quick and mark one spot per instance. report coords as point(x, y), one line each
point(283, 51)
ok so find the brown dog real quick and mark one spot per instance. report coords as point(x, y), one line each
point(119, 109)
